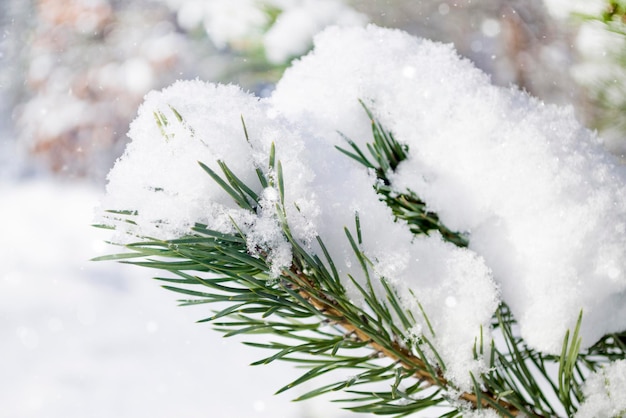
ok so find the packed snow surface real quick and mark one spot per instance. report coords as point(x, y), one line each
point(544, 205)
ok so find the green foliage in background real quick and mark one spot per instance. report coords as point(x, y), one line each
point(608, 93)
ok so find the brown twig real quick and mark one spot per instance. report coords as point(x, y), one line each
point(400, 354)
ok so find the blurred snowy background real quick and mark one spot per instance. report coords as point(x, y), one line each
point(85, 339)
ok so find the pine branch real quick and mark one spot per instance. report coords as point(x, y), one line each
point(305, 291)
point(323, 331)
point(420, 367)
point(515, 371)
point(387, 153)
point(296, 296)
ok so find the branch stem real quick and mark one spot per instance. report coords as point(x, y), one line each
point(396, 352)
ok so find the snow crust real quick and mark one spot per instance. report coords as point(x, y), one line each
point(544, 204)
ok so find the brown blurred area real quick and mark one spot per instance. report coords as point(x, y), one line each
point(78, 69)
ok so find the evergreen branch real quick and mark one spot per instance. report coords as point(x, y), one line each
point(299, 295)
point(387, 154)
point(610, 348)
point(233, 187)
point(322, 330)
point(514, 373)
point(567, 364)
point(510, 373)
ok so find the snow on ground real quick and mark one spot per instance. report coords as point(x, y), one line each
point(100, 339)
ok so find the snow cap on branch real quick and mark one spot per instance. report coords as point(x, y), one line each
point(544, 203)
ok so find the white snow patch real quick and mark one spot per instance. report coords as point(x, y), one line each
point(605, 392)
point(544, 204)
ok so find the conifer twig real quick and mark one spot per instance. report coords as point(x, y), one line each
point(311, 290)
point(398, 353)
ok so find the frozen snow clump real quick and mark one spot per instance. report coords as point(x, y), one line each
point(544, 203)
point(160, 179)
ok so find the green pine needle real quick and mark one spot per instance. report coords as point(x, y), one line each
point(314, 324)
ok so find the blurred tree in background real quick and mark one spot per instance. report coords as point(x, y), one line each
point(73, 72)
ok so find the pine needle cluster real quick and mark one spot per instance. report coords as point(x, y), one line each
point(305, 316)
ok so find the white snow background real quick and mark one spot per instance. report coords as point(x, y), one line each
point(83, 339)
point(100, 339)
